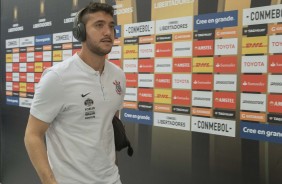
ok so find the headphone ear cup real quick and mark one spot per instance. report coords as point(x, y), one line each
point(82, 32)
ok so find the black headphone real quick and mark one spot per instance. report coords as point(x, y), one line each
point(78, 30)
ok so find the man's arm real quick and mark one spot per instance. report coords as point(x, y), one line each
point(36, 149)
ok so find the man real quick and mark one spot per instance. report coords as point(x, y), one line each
point(74, 104)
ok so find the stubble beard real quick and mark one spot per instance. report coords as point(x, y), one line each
point(98, 50)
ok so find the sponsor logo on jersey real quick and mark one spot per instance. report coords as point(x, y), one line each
point(182, 65)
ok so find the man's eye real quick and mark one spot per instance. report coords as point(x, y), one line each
point(99, 25)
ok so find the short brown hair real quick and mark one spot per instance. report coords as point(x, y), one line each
point(94, 7)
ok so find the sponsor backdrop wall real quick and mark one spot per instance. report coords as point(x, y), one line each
point(203, 78)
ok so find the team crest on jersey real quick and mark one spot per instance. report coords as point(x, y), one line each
point(118, 87)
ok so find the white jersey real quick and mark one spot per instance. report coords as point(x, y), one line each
point(79, 104)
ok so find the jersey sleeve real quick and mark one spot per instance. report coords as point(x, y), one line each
point(48, 98)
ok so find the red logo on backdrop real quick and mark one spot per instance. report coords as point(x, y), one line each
point(202, 81)
point(275, 103)
point(253, 83)
point(30, 67)
point(22, 77)
point(74, 51)
point(145, 95)
point(9, 77)
point(182, 65)
point(164, 50)
point(116, 62)
point(203, 48)
point(146, 65)
point(275, 64)
point(227, 64)
point(16, 86)
point(225, 100)
point(30, 87)
point(46, 65)
point(131, 79)
point(38, 56)
point(163, 80)
point(23, 57)
point(16, 67)
point(181, 97)
point(37, 77)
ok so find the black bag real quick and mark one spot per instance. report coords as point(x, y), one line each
point(121, 140)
